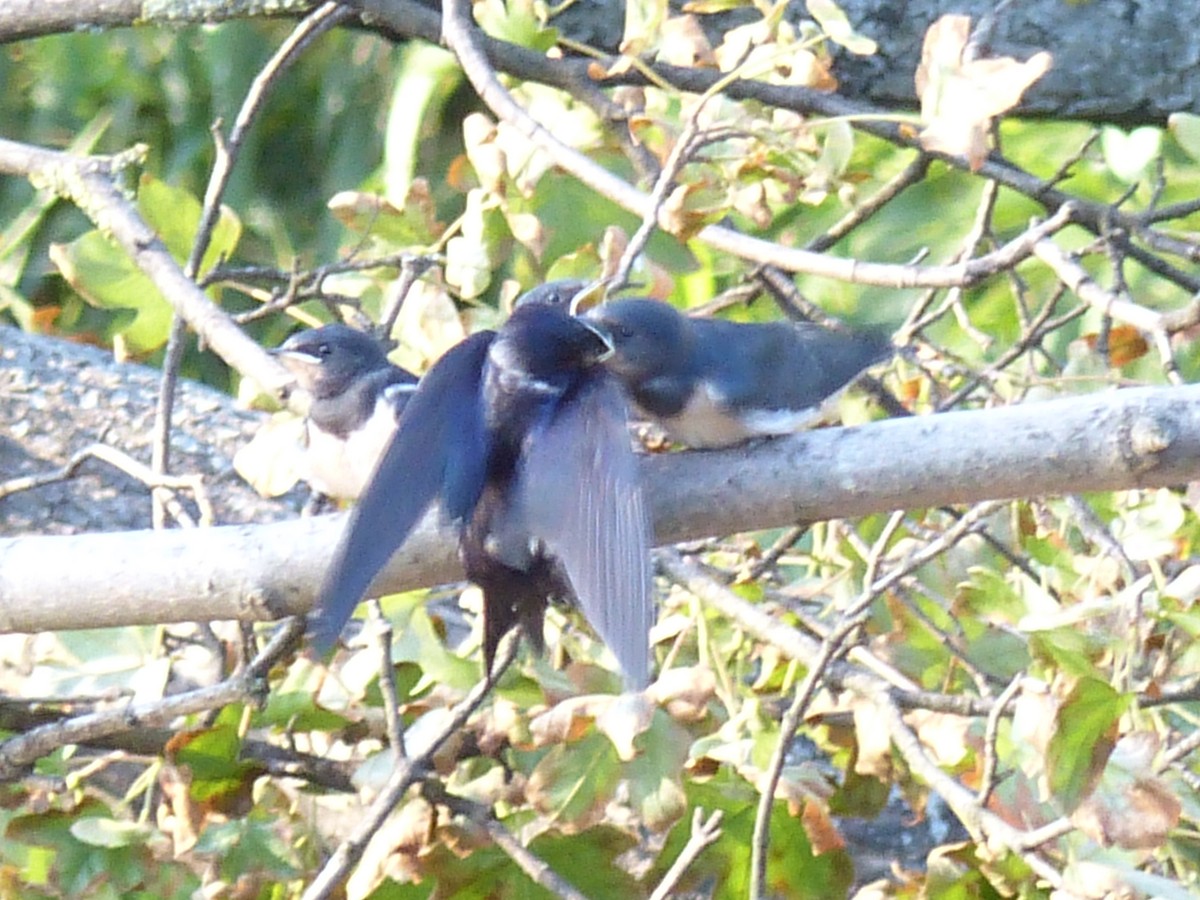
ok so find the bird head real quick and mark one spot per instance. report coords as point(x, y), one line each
point(646, 335)
point(325, 361)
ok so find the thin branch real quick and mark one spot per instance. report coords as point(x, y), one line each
point(89, 182)
point(481, 817)
point(411, 268)
point(461, 37)
point(407, 771)
point(21, 751)
point(987, 779)
point(982, 824)
point(325, 17)
point(705, 832)
point(382, 630)
point(831, 648)
point(911, 174)
point(122, 461)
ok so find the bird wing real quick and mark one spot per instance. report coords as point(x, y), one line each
point(784, 365)
point(581, 495)
point(440, 451)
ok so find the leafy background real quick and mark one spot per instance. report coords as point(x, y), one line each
point(367, 149)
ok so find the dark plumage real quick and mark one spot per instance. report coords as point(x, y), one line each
point(715, 383)
point(552, 293)
point(520, 438)
point(357, 400)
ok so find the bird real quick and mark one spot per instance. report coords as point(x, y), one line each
point(358, 397)
point(712, 383)
point(520, 437)
point(552, 293)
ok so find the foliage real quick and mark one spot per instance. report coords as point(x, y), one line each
point(1085, 605)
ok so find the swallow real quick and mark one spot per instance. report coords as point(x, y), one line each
point(552, 293)
point(714, 383)
point(520, 438)
point(358, 397)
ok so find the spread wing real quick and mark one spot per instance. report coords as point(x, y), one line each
point(582, 496)
point(440, 452)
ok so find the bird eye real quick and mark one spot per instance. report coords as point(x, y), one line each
point(624, 331)
point(324, 350)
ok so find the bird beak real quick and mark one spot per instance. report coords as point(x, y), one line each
point(605, 338)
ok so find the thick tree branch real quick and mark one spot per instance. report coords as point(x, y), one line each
point(1155, 55)
point(1144, 437)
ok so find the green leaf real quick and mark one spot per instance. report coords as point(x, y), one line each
point(212, 756)
point(573, 783)
point(723, 869)
point(1185, 127)
point(655, 782)
point(589, 860)
point(103, 832)
point(426, 77)
point(1128, 155)
point(1085, 733)
point(293, 703)
point(249, 845)
point(106, 278)
point(418, 641)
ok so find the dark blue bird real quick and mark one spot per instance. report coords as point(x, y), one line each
point(552, 293)
point(520, 438)
point(715, 383)
point(357, 395)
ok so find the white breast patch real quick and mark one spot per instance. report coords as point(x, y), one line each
point(342, 470)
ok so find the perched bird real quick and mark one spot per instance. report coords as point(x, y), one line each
point(715, 383)
point(357, 399)
point(520, 438)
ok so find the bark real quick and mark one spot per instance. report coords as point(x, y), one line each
point(56, 398)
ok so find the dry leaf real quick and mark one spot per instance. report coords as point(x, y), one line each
point(272, 461)
point(685, 692)
point(569, 720)
point(1125, 344)
point(874, 743)
point(624, 719)
point(959, 96)
point(682, 43)
point(1131, 807)
point(429, 323)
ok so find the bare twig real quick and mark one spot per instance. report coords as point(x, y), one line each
point(987, 779)
point(407, 771)
point(982, 824)
point(118, 459)
point(21, 751)
point(704, 833)
point(481, 817)
point(411, 268)
point(1118, 305)
point(382, 630)
point(831, 647)
point(911, 174)
point(316, 24)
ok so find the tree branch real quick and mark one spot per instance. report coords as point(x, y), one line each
point(1142, 437)
point(89, 183)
